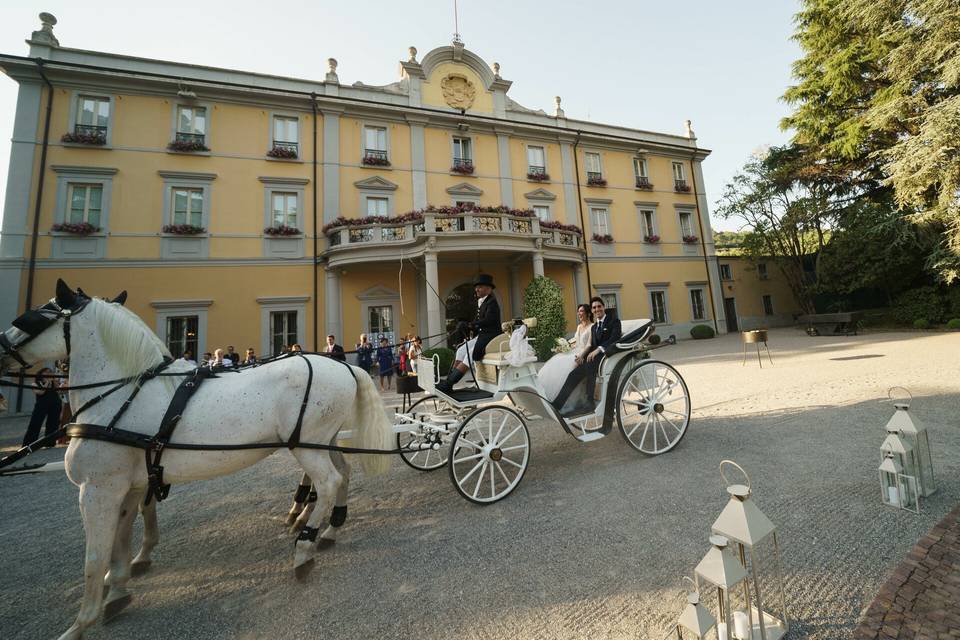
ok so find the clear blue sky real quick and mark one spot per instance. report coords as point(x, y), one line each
point(636, 63)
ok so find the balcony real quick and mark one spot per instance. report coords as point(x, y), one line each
point(681, 186)
point(643, 182)
point(375, 158)
point(595, 179)
point(463, 166)
point(188, 142)
point(376, 239)
point(537, 173)
point(87, 134)
point(284, 150)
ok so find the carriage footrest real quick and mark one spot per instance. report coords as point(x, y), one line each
point(589, 437)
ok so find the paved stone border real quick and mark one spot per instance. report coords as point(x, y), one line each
point(921, 599)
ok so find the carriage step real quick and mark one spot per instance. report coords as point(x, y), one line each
point(589, 437)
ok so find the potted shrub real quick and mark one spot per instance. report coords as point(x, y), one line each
point(183, 229)
point(76, 228)
point(702, 331)
point(652, 239)
point(282, 230)
point(602, 239)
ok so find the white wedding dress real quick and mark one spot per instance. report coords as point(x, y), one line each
point(554, 373)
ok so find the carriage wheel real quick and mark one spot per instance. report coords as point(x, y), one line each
point(491, 452)
point(427, 459)
point(653, 407)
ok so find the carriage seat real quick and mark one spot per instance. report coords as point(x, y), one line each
point(633, 333)
point(496, 353)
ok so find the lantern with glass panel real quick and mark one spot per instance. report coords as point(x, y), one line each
point(905, 423)
point(898, 489)
point(905, 456)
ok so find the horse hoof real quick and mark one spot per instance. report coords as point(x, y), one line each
point(302, 571)
point(325, 543)
point(111, 609)
point(137, 569)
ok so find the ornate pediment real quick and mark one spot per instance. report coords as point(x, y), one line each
point(540, 194)
point(464, 189)
point(376, 183)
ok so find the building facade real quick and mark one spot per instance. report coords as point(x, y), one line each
point(257, 210)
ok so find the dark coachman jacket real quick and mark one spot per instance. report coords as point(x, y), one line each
point(487, 325)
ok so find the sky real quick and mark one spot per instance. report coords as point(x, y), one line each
point(634, 63)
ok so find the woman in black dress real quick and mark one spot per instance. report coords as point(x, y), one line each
point(47, 407)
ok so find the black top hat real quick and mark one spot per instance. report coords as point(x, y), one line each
point(485, 278)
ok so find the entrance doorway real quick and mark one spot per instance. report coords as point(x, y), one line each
point(730, 310)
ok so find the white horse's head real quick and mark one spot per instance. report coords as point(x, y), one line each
point(40, 334)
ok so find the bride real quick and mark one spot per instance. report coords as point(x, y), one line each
point(554, 373)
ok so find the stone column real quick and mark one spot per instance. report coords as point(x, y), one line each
point(516, 305)
point(579, 284)
point(331, 304)
point(434, 317)
point(538, 264)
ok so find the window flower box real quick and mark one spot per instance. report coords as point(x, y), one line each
point(282, 230)
point(538, 176)
point(187, 145)
point(183, 229)
point(681, 186)
point(602, 239)
point(283, 151)
point(75, 228)
point(463, 167)
point(654, 239)
point(690, 239)
point(378, 159)
point(644, 183)
point(596, 181)
point(559, 226)
point(92, 138)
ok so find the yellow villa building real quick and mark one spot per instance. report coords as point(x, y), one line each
point(258, 210)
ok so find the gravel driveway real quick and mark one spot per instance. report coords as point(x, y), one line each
point(591, 545)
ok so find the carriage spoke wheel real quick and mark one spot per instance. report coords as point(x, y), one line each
point(491, 451)
point(426, 459)
point(653, 407)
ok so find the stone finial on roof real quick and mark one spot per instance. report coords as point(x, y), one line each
point(690, 133)
point(45, 34)
point(496, 70)
point(413, 54)
point(557, 111)
point(332, 71)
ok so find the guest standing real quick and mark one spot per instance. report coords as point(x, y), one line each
point(385, 364)
point(364, 353)
point(47, 407)
point(415, 351)
point(334, 350)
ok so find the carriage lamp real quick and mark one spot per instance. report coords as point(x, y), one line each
point(903, 452)
point(898, 489)
point(695, 621)
point(912, 430)
point(721, 571)
point(755, 545)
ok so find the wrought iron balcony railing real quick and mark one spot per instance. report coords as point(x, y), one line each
point(289, 146)
point(197, 138)
point(92, 130)
point(535, 170)
point(643, 182)
point(681, 185)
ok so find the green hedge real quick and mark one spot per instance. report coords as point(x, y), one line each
point(921, 323)
point(702, 331)
point(446, 358)
point(923, 303)
point(954, 324)
point(543, 300)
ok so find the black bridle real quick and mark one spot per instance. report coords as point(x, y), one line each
point(35, 321)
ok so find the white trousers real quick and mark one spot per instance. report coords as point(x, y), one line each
point(465, 350)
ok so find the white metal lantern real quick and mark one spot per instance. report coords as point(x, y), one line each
point(913, 431)
point(898, 489)
point(754, 538)
point(695, 621)
point(902, 451)
point(720, 570)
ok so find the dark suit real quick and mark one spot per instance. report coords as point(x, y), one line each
point(336, 352)
point(603, 335)
point(486, 326)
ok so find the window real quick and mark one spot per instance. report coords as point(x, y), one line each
point(93, 115)
point(610, 300)
point(187, 207)
point(594, 171)
point(284, 209)
point(678, 172)
point(182, 335)
point(762, 270)
point(601, 221)
point(191, 123)
point(686, 224)
point(542, 211)
point(696, 304)
point(648, 223)
point(767, 306)
point(377, 206)
point(286, 133)
point(658, 306)
point(380, 323)
point(726, 273)
point(374, 144)
point(640, 173)
point(85, 203)
point(536, 159)
point(283, 330)
point(462, 152)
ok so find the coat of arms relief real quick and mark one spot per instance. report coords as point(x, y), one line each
point(458, 92)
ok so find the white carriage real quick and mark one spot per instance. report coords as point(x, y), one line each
point(484, 441)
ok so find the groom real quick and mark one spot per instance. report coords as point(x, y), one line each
point(486, 327)
point(604, 335)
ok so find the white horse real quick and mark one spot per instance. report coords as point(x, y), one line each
point(260, 405)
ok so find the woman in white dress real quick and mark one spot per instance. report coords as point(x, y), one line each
point(554, 373)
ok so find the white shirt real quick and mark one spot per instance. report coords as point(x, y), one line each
point(480, 301)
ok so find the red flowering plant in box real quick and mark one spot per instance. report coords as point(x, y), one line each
point(464, 167)
point(93, 139)
point(183, 229)
point(538, 176)
point(187, 145)
point(691, 239)
point(282, 230)
point(681, 186)
point(76, 228)
point(596, 182)
point(644, 183)
point(652, 239)
point(282, 152)
point(602, 239)
point(554, 224)
point(372, 160)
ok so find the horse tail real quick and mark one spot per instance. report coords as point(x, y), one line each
point(371, 425)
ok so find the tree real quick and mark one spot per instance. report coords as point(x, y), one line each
point(543, 300)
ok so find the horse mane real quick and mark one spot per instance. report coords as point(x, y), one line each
point(127, 340)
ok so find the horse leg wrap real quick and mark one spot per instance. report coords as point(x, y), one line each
point(308, 534)
point(312, 497)
point(338, 516)
point(303, 491)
